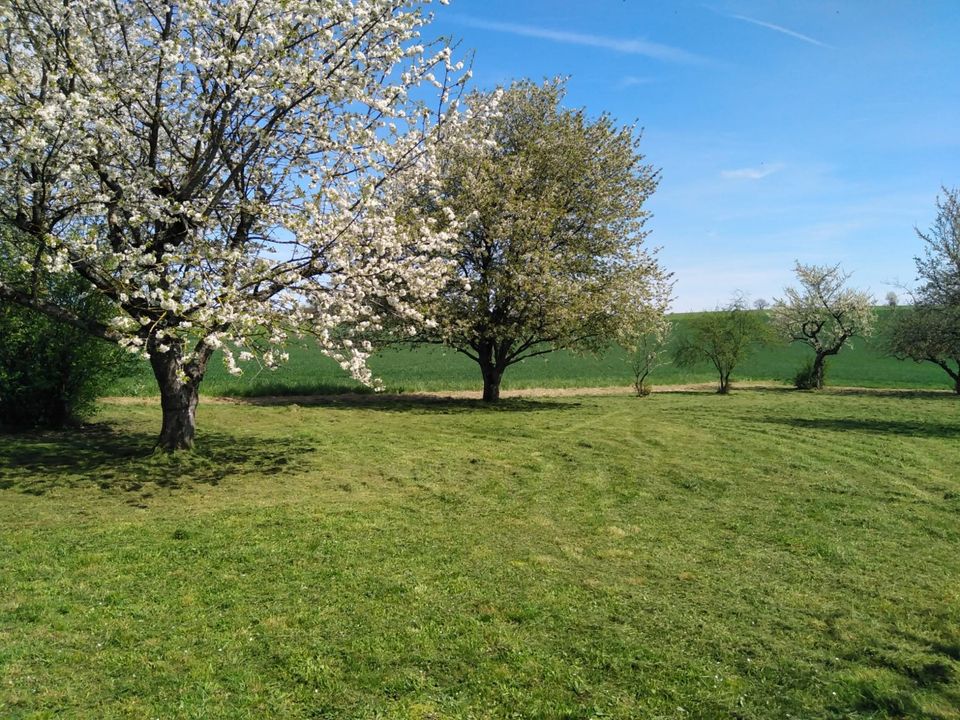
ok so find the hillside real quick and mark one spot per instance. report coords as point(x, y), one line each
point(435, 368)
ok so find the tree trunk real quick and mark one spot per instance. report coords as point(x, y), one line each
point(724, 384)
point(955, 376)
point(491, 382)
point(819, 367)
point(179, 393)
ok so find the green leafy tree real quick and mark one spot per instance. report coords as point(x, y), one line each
point(824, 314)
point(549, 239)
point(723, 338)
point(52, 371)
point(928, 334)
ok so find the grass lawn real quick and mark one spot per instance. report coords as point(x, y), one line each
point(434, 368)
point(768, 554)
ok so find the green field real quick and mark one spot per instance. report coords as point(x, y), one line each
point(433, 368)
point(767, 554)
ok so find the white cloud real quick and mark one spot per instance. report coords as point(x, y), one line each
point(634, 80)
point(657, 51)
point(779, 29)
point(751, 173)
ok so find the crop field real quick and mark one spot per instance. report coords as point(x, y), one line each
point(686, 555)
point(430, 368)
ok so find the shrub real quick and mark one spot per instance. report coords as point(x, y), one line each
point(642, 388)
point(51, 372)
point(806, 377)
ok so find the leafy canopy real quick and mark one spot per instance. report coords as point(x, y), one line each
point(822, 312)
point(550, 251)
point(209, 166)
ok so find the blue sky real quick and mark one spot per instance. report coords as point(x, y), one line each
point(812, 131)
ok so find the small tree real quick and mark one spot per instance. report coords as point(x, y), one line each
point(761, 304)
point(549, 253)
point(823, 314)
point(928, 334)
point(892, 299)
point(723, 338)
point(645, 346)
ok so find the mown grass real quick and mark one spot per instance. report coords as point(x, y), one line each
point(767, 554)
point(429, 368)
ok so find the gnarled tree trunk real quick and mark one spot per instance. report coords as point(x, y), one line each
point(179, 385)
point(819, 370)
point(955, 376)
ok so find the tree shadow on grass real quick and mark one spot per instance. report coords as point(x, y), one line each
point(114, 460)
point(416, 403)
point(787, 389)
point(906, 393)
point(912, 428)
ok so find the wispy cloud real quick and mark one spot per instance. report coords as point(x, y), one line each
point(657, 51)
point(751, 173)
point(779, 29)
point(634, 80)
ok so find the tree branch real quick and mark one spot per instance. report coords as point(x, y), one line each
point(56, 312)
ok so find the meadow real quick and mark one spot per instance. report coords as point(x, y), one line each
point(768, 554)
point(432, 368)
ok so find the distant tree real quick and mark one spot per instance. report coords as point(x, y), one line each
point(549, 251)
point(928, 334)
point(823, 314)
point(645, 346)
point(723, 338)
point(930, 330)
point(892, 299)
point(761, 304)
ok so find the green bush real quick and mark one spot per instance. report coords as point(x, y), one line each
point(806, 378)
point(51, 372)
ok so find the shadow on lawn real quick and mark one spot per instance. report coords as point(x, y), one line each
point(763, 388)
point(911, 428)
point(411, 403)
point(101, 455)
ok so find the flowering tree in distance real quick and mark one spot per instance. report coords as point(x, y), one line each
point(549, 249)
point(822, 313)
point(939, 268)
point(930, 330)
point(221, 172)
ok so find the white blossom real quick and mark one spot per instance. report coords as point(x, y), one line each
point(227, 171)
